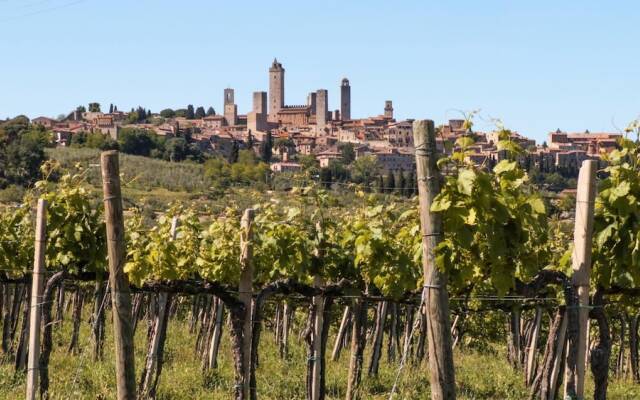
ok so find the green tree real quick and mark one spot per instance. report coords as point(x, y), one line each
point(94, 107)
point(111, 108)
point(190, 112)
point(266, 149)
point(135, 141)
point(21, 152)
point(78, 139)
point(326, 177)
point(339, 172)
point(210, 112)
point(400, 182)
point(389, 182)
point(250, 141)
point(347, 152)
point(410, 184)
point(364, 170)
point(233, 157)
point(380, 184)
point(200, 113)
point(167, 113)
point(176, 149)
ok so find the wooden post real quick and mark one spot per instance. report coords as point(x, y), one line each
point(342, 332)
point(533, 348)
point(318, 303)
point(581, 265)
point(119, 284)
point(151, 373)
point(215, 337)
point(378, 336)
point(557, 362)
point(37, 283)
point(442, 379)
point(246, 293)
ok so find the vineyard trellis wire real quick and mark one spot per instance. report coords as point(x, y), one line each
point(496, 250)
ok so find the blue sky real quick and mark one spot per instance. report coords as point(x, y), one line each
point(537, 65)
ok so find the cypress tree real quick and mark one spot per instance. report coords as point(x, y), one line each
point(111, 108)
point(210, 112)
point(380, 184)
point(390, 182)
point(250, 141)
point(190, 113)
point(200, 113)
point(400, 182)
point(326, 177)
point(235, 149)
point(267, 148)
point(410, 184)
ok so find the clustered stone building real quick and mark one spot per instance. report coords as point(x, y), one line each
point(313, 129)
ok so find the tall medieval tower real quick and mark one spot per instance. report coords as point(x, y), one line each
point(276, 89)
point(345, 100)
point(230, 107)
point(388, 109)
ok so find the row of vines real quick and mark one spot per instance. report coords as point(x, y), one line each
point(502, 249)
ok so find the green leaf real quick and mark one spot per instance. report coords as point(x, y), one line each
point(504, 166)
point(466, 180)
point(537, 205)
point(440, 203)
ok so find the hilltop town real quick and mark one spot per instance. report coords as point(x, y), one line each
point(313, 130)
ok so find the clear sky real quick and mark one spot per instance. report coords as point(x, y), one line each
point(537, 65)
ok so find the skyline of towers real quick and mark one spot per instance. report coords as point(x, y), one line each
point(272, 105)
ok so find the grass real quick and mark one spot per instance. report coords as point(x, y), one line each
point(480, 375)
point(139, 173)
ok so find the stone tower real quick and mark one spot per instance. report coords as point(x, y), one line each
point(230, 108)
point(322, 108)
point(276, 89)
point(345, 100)
point(388, 109)
point(257, 118)
point(311, 102)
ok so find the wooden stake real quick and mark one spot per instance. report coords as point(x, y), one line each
point(318, 303)
point(37, 283)
point(151, 373)
point(120, 293)
point(581, 265)
point(215, 337)
point(342, 331)
point(246, 293)
point(443, 385)
point(533, 348)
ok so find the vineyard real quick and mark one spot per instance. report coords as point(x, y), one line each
point(345, 293)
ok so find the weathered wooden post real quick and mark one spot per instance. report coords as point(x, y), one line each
point(153, 365)
point(246, 294)
point(37, 283)
point(533, 348)
point(119, 284)
point(581, 265)
point(342, 332)
point(443, 384)
point(318, 303)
